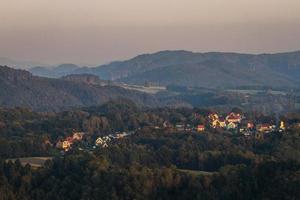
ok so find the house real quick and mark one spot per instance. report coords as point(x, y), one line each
point(246, 133)
point(214, 123)
point(188, 127)
point(118, 135)
point(231, 125)
point(121, 135)
point(167, 124)
point(222, 122)
point(180, 127)
point(233, 117)
point(246, 127)
point(245, 130)
point(99, 141)
point(78, 136)
point(67, 143)
point(250, 125)
point(200, 128)
point(105, 145)
point(282, 125)
point(264, 128)
point(213, 116)
point(102, 141)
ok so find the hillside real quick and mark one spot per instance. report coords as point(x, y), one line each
point(210, 74)
point(20, 88)
point(85, 78)
point(18, 64)
point(199, 69)
point(55, 72)
point(196, 69)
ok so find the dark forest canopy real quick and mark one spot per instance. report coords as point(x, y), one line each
point(153, 163)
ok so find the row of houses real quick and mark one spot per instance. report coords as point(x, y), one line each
point(233, 122)
point(102, 141)
point(67, 143)
point(238, 122)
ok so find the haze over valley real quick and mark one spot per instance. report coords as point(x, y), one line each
point(149, 100)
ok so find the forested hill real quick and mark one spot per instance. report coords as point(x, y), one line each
point(199, 69)
point(21, 88)
point(55, 72)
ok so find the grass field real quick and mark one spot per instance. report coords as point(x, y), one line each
point(196, 172)
point(35, 162)
point(253, 92)
point(149, 90)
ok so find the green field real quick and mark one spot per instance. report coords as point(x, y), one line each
point(253, 92)
point(196, 172)
point(149, 90)
point(35, 162)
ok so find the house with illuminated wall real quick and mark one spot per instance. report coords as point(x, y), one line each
point(200, 128)
point(231, 125)
point(67, 143)
point(234, 117)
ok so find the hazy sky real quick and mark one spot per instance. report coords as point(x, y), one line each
point(98, 31)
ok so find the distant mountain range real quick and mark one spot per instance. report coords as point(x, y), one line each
point(54, 72)
point(21, 88)
point(185, 68)
point(87, 78)
point(18, 64)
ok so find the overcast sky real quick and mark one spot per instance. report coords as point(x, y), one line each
point(99, 31)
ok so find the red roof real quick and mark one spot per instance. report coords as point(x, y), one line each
point(250, 124)
point(70, 139)
point(213, 112)
point(265, 125)
point(233, 117)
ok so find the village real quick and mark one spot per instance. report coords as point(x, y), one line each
point(232, 123)
point(77, 137)
point(238, 123)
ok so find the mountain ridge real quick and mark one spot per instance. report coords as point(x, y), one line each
point(21, 88)
point(268, 68)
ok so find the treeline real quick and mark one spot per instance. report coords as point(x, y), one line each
point(84, 176)
point(27, 133)
point(24, 132)
point(150, 164)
